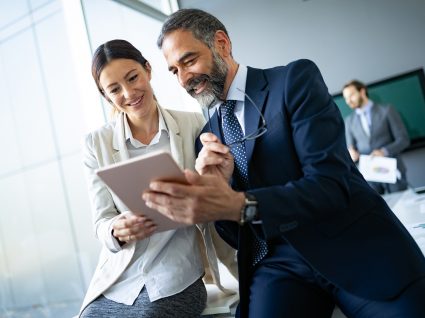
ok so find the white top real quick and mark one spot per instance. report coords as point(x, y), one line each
point(167, 262)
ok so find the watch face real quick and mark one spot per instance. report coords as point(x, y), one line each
point(250, 212)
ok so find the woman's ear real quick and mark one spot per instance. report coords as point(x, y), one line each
point(148, 69)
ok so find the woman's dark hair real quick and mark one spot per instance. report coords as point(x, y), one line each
point(111, 50)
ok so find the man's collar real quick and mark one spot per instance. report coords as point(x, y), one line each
point(365, 109)
point(237, 87)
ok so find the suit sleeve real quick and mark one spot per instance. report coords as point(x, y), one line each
point(318, 136)
point(400, 137)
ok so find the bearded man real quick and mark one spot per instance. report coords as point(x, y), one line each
point(276, 176)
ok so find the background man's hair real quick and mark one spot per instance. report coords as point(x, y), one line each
point(358, 85)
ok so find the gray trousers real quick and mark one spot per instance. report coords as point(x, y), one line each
point(187, 304)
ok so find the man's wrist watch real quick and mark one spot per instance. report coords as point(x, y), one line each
point(249, 211)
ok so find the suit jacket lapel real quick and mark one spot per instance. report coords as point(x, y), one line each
point(374, 119)
point(215, 126)
point(257, 89)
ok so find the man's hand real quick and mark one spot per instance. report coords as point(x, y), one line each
point(377, 153)
point(214, 158)
point(353, 153)
point(130, 227)
point(206, 198)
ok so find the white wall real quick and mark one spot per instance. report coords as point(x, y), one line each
point(364, 39)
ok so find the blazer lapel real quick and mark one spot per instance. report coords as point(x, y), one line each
point(176, 142)
point(257, 89)
point(118, 140)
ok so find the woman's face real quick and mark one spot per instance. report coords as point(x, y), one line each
point(126, 83)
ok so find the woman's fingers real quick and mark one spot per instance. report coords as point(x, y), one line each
point(132, 228)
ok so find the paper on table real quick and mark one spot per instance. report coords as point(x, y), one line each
point(378, 169)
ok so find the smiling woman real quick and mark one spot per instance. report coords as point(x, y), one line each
point(137, 272)
point(123, 76)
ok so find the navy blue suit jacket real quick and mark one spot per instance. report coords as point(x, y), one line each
point(311, 194)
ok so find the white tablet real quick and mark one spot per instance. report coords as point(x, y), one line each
point(130, 178)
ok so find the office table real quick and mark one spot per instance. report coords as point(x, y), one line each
point(409, 207)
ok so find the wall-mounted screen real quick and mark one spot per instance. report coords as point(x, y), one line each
point(406, 92)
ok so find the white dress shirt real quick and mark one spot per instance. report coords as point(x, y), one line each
point(167, 262)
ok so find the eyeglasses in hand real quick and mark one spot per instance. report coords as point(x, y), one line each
point(260, 130)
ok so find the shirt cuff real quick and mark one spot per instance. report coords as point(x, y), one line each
point(111, 243)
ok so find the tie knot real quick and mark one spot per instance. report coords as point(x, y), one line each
point(228, 107)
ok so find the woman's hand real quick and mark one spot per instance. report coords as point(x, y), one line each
point(130, 227)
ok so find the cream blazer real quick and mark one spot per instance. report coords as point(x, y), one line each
point(107, 146)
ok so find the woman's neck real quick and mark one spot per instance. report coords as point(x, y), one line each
point(145, 128)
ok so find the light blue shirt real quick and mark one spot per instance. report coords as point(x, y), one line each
point(233, 94)
point(367, 110)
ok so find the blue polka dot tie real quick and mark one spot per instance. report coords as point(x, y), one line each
point(232, 132)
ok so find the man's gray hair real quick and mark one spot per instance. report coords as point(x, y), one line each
point(202, 25)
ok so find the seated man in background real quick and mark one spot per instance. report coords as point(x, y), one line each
point(376, 130)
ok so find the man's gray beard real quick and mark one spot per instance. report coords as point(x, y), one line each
point(206, 99)
point(214, 92)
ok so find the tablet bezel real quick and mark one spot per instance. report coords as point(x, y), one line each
point(129, 179)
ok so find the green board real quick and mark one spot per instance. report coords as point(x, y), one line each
point(406, 92)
